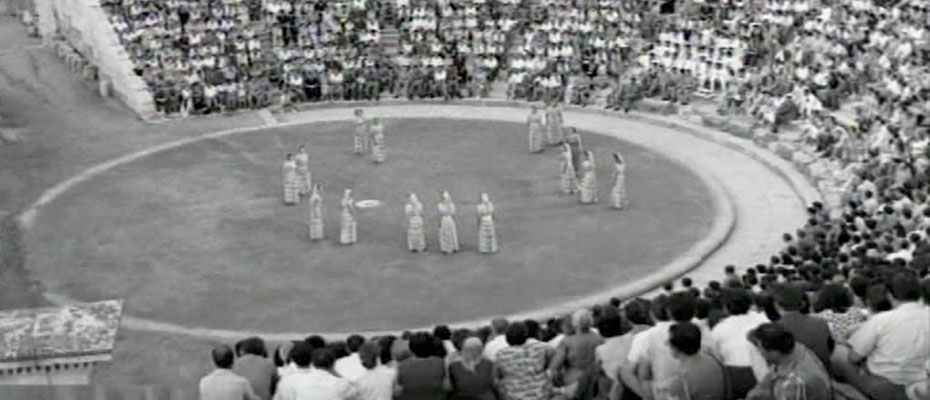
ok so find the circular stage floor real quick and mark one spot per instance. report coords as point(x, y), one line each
point(198, 236)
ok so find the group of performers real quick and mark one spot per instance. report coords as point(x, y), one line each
point(578, 167)
point(369, 138)
point(297, 177)
point(448, 230)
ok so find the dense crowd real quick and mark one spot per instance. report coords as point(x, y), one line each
point(840, 305)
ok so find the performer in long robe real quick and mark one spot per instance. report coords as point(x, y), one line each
point(448, 233)
point(303, 170)
point(360, 137)
point(554, 122)
point(535, 128)
point(416, 235)
point(487, 234)
point(588, 186)
point(618, 192)
point(569, 179)
point(378, 146)
point(291, 181)
point(316, 213)
point(573, 139)
point(348, 233)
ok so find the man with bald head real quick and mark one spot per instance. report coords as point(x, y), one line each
point(222, 383)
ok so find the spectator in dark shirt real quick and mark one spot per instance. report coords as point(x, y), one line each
point(812, 332)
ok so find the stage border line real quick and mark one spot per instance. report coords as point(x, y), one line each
point(724, 224)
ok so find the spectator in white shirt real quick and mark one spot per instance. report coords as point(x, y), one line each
point(498, 340)
point(377, 380)
point(222, 383)
point(316, 383)
point(895, 345)
point(745, 366)
point(350, 367)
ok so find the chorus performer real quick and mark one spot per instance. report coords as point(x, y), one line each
point(378, 145)
point(554, 122)
point(448, 233)
point(588, 186)
point(416, 234)
point(291, 182)
point(348, 233)
point(487, 234)
point(535, 127)
point(569, 179)
point(360, 136)
point(316, 213)
point(618, 192)
point(303, 170)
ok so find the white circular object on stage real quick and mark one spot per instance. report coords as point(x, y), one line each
point(368, 203)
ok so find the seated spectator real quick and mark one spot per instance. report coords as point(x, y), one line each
point(498, 340)
point(812, 332)
point(471, 376)
point(319, 382)
point(730, 342)
point(575, 354)
point(795, 372)
point(701, 376)
point(350, 367)
point(834, 303)
point(222, 383)
point(422, 376)
point(895, 345)
point(253, 364)
point(522, 366)
point(376, 382)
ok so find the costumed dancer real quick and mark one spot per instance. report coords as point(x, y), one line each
point(291, 181)
point(554, 122)
point(378, 150)
point(569, 177)
point(360, 137)
point(573, 139)
point(416, 235)
point(448, 233)
point(487, 234)
point(303, 170)
point(316, 213)
point(618, 193)
point(588, 186)
point(534, 122)
point(348, 233)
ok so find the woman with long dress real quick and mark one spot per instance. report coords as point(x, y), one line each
point(448, 233)
point(569, 177)
point(360, 137)
point(554, 122)
point(487, 235)
point(416, 235)
point(378, 149)
point(618, 193)
point(348, 233)
point(303, 170)
point(316, 213)
point(588, 186)
point(291, 182)
point(534, 122)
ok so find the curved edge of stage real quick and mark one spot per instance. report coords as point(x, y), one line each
point(725, 220)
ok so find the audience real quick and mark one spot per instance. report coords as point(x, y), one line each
point(421, 377)
point(471, 376)
point(376, 382)
point(252, 363)
point(319, 380)
point(222, 383)
point(795, 373)
point(701, 376)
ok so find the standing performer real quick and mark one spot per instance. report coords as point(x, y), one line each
point(618, 193)
point(487, 235)
point(554, 121)
point(303, 170)
point(291, 183)
point(569, 177)
point(448, 234)
point(534, 121)
point(588, 186)
point(378, 150)
point(574, 142)
point(348, 233)
point(360, 138)
point(316, 213)
point(416, 235)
